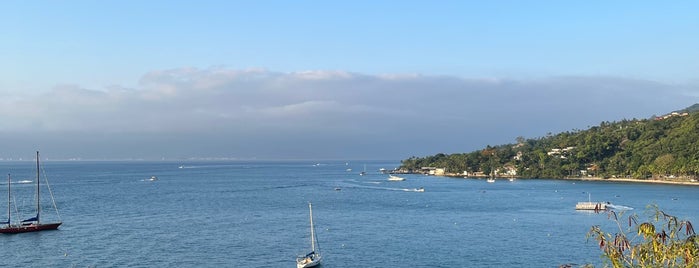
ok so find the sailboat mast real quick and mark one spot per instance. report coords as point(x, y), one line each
point(9, 198)
point(38, 190)
point(313, 242)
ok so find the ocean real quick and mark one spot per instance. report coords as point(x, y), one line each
point(255, 214)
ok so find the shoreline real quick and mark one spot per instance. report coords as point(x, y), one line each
point(649, 181)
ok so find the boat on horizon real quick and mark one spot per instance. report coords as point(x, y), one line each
point(313, 258)
point(32, 224)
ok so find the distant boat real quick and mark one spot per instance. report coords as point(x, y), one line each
point(589, 205)
point(313, 258)
point(153, 178)
point(511, 179)
point(363, 172)
point(420, 189)
point(490, 180)
point(395, 178)
point(32, 224)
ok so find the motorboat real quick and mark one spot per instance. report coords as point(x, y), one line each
point(395, 178)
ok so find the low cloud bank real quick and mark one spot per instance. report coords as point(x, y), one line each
point(191, 112)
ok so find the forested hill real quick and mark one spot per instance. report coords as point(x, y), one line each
point(663, 147)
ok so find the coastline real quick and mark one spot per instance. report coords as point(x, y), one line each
point(650, 181)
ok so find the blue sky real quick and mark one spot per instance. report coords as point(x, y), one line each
point(359, 63)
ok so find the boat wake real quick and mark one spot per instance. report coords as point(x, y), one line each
point(618, 207)
point(359, 186)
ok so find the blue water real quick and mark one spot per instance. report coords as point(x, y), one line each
point(255, 214)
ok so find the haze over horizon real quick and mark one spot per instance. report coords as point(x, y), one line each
point(307, 80)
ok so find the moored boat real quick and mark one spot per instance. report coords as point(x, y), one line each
point(32, 224)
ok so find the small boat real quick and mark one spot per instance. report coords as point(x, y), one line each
point(490, 180)
point(338, 189)
point(589, 205)
point(313, 258)
point(32, 224)
point(420, 189)
point(363, 172)
point(395, 178)
point(153, 178)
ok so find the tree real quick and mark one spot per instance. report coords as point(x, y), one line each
point(663, 164)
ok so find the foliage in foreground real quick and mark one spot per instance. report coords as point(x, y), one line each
point(663, 241)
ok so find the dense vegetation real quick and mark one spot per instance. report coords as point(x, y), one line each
point(665, 147)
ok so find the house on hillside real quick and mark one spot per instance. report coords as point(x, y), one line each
point(432, 171)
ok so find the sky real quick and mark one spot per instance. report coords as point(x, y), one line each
point(331, 79)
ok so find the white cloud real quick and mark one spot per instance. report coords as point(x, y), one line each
point(352, 114)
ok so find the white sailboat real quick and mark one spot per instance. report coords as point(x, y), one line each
point(313, 258)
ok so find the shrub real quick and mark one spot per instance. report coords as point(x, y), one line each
point(662, 241)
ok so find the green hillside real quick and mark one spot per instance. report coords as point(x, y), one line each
point(664, 147)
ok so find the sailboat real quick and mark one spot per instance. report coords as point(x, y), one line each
point(311, 259)
point(363, 172)
point(32, 224)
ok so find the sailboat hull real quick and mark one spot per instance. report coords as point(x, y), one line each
point(308, 263)
point(30, 228)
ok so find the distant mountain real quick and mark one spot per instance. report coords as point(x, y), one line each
point(665, 147)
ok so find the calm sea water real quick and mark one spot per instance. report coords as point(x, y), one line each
point(255, 214)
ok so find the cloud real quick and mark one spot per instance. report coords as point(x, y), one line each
point(321, 114)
